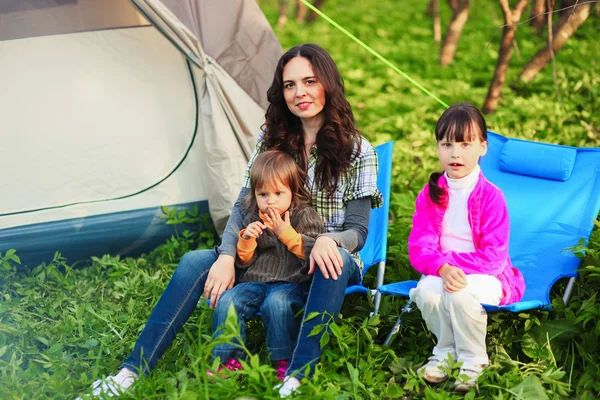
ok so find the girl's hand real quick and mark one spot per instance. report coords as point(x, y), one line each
point(254, 230)
point(326, 256)
point(275, 223)
point(454, 278)
point(221, 277)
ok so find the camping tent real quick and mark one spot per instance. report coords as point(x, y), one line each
point(110, 109)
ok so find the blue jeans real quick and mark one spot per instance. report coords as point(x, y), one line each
point(326, 297)
point(183, 292)
point(278, 303)
point(173, 309)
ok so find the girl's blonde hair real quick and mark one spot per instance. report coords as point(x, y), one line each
point(274, 166)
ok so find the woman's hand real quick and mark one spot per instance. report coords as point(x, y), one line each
point(220, 278)
point(254, 230)
point(326, 255)
point(454, 278)
point(275, 223)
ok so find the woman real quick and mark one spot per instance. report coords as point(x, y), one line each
point(309, 118)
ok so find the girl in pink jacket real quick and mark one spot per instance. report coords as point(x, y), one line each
point(459, 242)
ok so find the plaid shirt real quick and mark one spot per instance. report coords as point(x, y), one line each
point(359, 181)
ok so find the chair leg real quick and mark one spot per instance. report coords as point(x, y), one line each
point(568, 290)
point(396, 327)
point(377, 302)
point(380, 274)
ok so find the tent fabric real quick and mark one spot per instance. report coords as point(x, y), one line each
point(115, 119)
point(108, 114)
point(236, 34)
point(227, 141)
point(163, 19)
point(28, 18)
point(126, 233)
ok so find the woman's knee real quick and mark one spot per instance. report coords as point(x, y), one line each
point(349, 265)
point(347, 259)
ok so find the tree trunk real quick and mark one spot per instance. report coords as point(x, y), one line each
point(437, 25)
point(537, 13)
point(300, 11)
point(282, 20)
point(453, 4)
point(564, 29)
point(430, 6)
point(312, 16)
point(454, 30)
point(505, 53)
point(565, 4)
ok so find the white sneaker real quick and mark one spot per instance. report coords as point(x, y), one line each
point(289, 385)
point(433, 372)
point(113, 385)
point(467, 378)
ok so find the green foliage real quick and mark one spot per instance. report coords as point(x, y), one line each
point(61, 328)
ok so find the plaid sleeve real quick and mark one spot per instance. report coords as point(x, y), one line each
point(363, 180)
point(257, 150)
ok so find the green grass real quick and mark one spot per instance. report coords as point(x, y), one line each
point(61, 328)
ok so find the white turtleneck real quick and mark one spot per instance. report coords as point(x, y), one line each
point(456, 230)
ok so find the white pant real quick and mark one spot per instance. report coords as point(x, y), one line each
point(458, 320)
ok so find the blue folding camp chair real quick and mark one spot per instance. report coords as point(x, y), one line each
point(553, 196)
point(375, 247)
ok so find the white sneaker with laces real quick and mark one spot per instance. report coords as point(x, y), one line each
point(289, 385)
point(433, 372)
point(467, 378)
point(115, 385)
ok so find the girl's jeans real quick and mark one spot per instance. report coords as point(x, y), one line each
point(183, 292)
point(278, 303)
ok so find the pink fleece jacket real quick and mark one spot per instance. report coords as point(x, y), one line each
point(488, 218)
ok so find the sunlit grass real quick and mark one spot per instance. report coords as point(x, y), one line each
point(62, 328)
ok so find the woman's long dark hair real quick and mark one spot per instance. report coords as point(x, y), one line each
point(337, 141)
point(459, 123)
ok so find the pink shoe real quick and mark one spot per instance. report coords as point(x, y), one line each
point(232, 364)
point(281, 367)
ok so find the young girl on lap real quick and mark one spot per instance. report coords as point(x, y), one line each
point(459, 242)
point(272, 259)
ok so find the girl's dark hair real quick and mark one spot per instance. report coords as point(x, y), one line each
point(461, 122)
point(271, 167)
point(337, 140)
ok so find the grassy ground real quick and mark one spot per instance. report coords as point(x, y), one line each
point(62, 328)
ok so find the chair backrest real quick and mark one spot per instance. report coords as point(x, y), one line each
point(553, 196)
point(375, 247)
